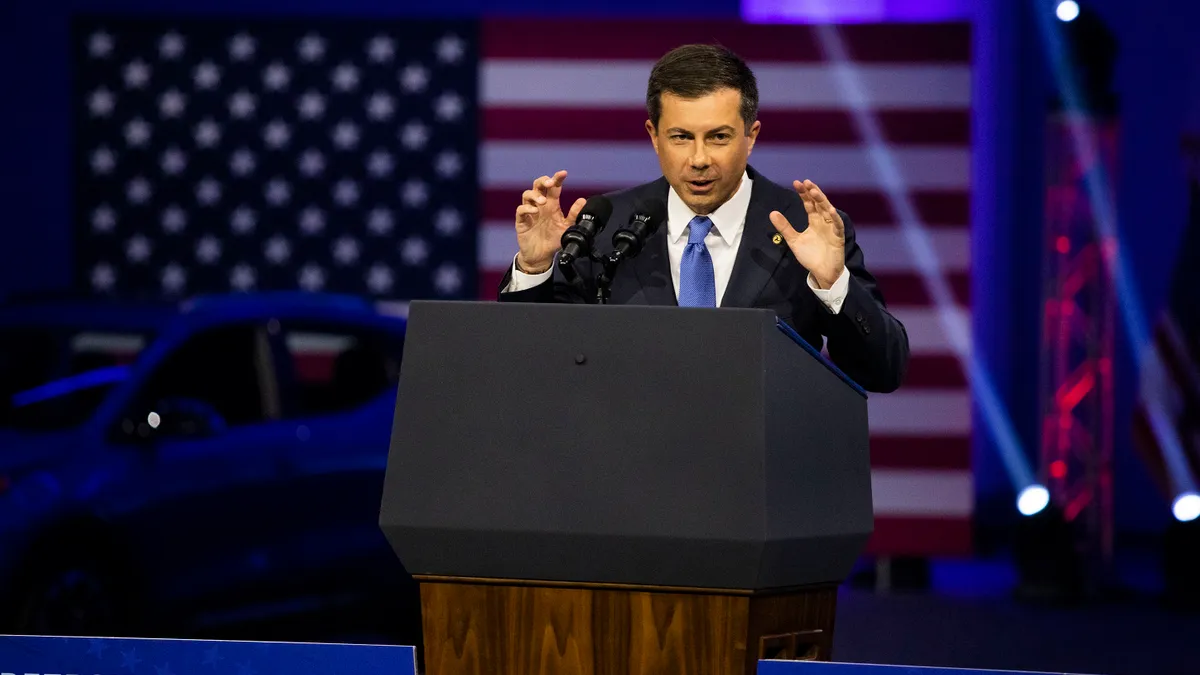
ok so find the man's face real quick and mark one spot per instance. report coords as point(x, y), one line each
point(703, 146)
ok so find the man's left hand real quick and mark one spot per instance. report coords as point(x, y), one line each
point(821, 248)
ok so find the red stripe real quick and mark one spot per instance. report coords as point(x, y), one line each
point(928, 127)
point(917, 452)
point(523, 38)
point(935, 372)
point(908, 288)
point(921, 537)
point(489, 283)
point(942, 208)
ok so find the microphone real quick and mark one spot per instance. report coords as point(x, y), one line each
point(647, 217)
point(577, 240)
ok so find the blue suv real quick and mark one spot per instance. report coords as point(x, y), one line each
point(171, 469)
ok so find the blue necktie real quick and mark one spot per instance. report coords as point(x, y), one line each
point(697, 285)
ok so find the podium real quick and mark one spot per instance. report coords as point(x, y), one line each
point(587, 489)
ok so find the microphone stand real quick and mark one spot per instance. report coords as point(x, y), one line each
point(608, 269)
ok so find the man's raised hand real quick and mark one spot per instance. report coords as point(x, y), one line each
point(541, 223)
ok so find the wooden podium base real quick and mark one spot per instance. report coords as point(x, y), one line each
point(508, 627)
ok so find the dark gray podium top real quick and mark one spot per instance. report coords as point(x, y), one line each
point(661, 446)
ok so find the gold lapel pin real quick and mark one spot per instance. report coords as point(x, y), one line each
point(777, 238)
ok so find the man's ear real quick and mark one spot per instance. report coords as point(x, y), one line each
point(752, 135)
point(650, 129)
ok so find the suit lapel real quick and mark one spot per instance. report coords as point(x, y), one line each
point(758, 255)
point(653, 265)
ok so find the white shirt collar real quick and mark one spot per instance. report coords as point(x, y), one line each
point(728, 220)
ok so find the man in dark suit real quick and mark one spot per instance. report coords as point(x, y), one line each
point(732, 237)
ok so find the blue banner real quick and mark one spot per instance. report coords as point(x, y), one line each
point(27, 655)
point(824, 668)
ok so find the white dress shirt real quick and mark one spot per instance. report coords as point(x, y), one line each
point(722, 241)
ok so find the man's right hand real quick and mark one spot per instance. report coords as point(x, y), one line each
point(541, 223)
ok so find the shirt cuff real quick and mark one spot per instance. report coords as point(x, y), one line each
point(833, 297)
point(521, 281)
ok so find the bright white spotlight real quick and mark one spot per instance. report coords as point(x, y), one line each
point(1186, 507)
point(1032, 500)
point(1067, 10)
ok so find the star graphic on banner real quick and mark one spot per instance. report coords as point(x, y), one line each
point(278, 192)
point(345, 77)
point(414, 193)
point(448, 164)
point(345, 135)
point(103, 277)
point(173, 278)
point(242, 163)
point(312, 277)
point(137, 249)
point(380, 278)
point(137, 74)
point(311, 48)
point(171, 46)
point(345, 250)
point(311, 105)
point(243, 220)
point(414, 135)
point(97, 647)
point(380, 221)
point(451, 49)
point(101, 102)
point(208, 192)
point(138, 191)
point(104, 219)
point(171, 104)
point(277, 250)
point(206, 75)
point(242, 105)
point(448, 279)
point(211, 656)
point(174, 161)
point(345, 193)
point(380, 107)
point(312, 221)
point(242, 47)
point(100, 45)
point(277, 134)
point(381, 49)
point(242, 277)
point(448, 107)
point(103, 160)
point(312, 163)
point(137, 132)
point(414, 251)
point(414, 78)
point(380, 164)
point(174, 219)
point(208, 134)
point(276, 77)
point(208, 249)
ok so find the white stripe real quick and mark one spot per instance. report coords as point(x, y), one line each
point(543, 83)
point(924, 492)
point(515, 164)
point(107, 342)
point(926, 333)
point(318, 343)
point(885, 248)
point(920, 412)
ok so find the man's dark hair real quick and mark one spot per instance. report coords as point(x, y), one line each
point(692, 71)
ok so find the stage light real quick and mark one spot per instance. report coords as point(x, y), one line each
point(1067, 10)
point(1032, 500)
point(1186, 507)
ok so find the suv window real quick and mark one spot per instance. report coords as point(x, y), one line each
point(224, 372)
point(338, 367)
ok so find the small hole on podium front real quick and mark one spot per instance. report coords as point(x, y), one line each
point(580, 359)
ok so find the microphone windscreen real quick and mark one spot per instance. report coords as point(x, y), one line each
point(655, 212)
point(599, 209)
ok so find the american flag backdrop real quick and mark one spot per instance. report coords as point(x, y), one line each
point(388, 158)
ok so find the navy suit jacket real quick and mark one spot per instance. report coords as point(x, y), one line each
point(864, 339)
